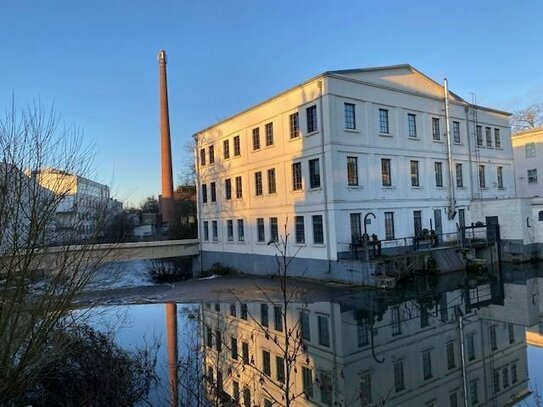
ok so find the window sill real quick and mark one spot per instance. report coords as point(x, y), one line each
point(215, 241)
point(316, 189)
point(385, 187)
point(294, 138)
point(261, 243)
point(458, 143)
point(297, 191)
point(237, 156)
point(229, 242)
point(270, 146)
point(240, 242)
point(413, 138)
point(386, 135)
point(417, 187)
point(312, 133)
point(351, 130)
point(318, 245)
point(355, 187)
point(461, 188)
point(255, 150)
point(300, 245)
point(438, 141)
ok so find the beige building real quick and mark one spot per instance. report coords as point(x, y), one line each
point(528, 155)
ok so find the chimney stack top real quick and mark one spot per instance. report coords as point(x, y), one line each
point(162, 56)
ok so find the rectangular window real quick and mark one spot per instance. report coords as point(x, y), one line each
point(230, 230)
point(479, 135)
point(228, 188)
point(226, 149)
point(304, 325)
point(496, 380)
point(233, 348)
point(202, 156)
point(511, 333)
point(471, 346)
point(514, 378)
point(499, 175)
point(232, 310)
point(324, 334)
point(235, 390)
point(350, 120)
point(256, 138)
point(218, 341)
point(206, 230)
point(312, 124)
point(244, 312)
point(215, 231)
point(294, 124)
point(297, 176)
point(300, 229)
point(395, 321)
point(493, 338)
point(277, 319)
point(456, 132)
point(204, 193)
point(532, 176)
point(307, 381)
point(211, 154)
point(268, 403)
point(399, 384)
point(274, 229)
point(411, 125)
point(260, 230)
point(473, 393)
point(326, 389)
point(356, 227)
point(245, 353)
point(362, 332)
point(271, 181)
point(386, 176)
point(241, 231)
point(365, 389)
point(482, 181)
point(530, 150)
point(453, 399)
point(269, 134)
point(436, 133)
point(383, 121)
point(462, 217)
point(352, 171)
point(424, 320)
point(213, 192)
point(414, 165)
point(488, 134)
point(280, 369)
point(237, 147)
point(417, 222)
point(246, 397)
point(258, 183)
point(318, 232)
point(450, 356)
point(438, 171)
point(497, 138)
point(239, 188)
point(266, 363)
point(427, 365)
point(459, 176)
point(389, 225)
point(314, 174)
point(209, 336)
point(505, 377)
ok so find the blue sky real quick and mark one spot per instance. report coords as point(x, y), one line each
point(96, 61)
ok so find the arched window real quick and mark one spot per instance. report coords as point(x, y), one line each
point(540, 216)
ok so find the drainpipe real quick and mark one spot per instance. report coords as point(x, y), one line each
point(452, 211)
point(324, 183)
point(466, 110)
point(463, 359)
point(198, 209)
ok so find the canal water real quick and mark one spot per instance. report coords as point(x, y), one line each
point(460, 339)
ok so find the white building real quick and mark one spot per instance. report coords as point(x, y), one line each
point(528, 151)
point(322, 155)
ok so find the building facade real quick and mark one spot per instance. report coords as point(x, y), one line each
point(340, 155)
point(528, 151)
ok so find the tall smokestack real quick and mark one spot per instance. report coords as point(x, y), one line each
point(166, 208)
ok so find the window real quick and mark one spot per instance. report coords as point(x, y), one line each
point(450, 356)
point(435, 129)
point(230, 230)
point(300, 229)
point(210, 374)
point(312, 124)
point(246, 397)
point(233, 348)
point(362, 332)
point(352, 171)
point(235, 390)
point(417, 222)
point(399, 384)
point(297, 176)
point(307, 381)
point(530, 150)
point(228, 189)
point(204, 193)
point(471, 346)
point(218, 307)
point(532, 176)
point(318, 233)
point(326, 389)
point(314, 174)
point(438, 171)
point(386, 177)
point(479, 135)
point(473, 393)
point(493, 338)
point(389, 225)
point(488, 135)
point(462, 217)
point(213, 192)
point(202, 156)
point(243, 307)
point(258, 183)
point(269, 134)
point(271, 181)
point(496, 380)
point(456, 132)
point(266, 363)
point(459, 176)
point(294, 123)
point(268, 403)
point(264, 315)
point(514, 373)
point(383, 121)
point(280, 369)
point(237, 147)
point(414, 165)
point(324, 335)
point(211, 154)
point(505, 377)
point(209, 336)
point(239, 188)
point(411, 125)
point(233, 310)
point(274, 231)
point(241, 231)
point(206, 230)
point(395, 321)
point(215, 231)
point(245, 353)
point(350, 120)
point(226, 149)
point(511, 333)
point(540, 216)
point(427, 365)
point(260, 230)
point(218, 341)
point(453, 399)
point(482, 182)
point(356, 227)
point(277, 319)
point(424, 321)
point(304, 325)
point(499, 174)
point(256, 138)
point(497, 138)
point(365, 389)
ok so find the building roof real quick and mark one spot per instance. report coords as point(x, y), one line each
point(528, 132)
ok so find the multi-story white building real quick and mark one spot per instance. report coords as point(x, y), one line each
point(313, 161)
point(528, 151)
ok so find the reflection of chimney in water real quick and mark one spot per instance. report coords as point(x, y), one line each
point(166, 207)
point(171, 334)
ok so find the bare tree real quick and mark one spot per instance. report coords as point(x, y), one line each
point(528, 118)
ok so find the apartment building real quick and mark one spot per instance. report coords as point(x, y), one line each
point(528, 151)
point(373, 151)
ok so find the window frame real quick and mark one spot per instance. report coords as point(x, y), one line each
point(352, 171)
point(256, 138)
point(318, 229)
point(436, 129)
point(268, 130)
point(312, 119)
point(386, 172)
point(411, 125)
point(349, 115)
point(314, 173)
point(384, 122)
point(414, 172)
point(297, 178)
point(294, 125)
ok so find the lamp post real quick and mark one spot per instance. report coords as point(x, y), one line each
point(366, 237)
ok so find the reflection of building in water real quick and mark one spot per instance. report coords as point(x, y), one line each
point(368, 349)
